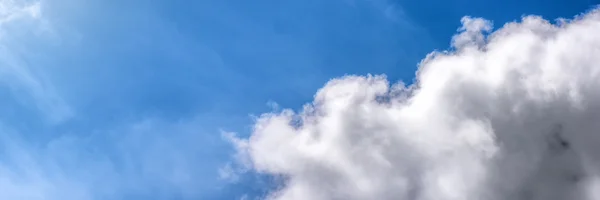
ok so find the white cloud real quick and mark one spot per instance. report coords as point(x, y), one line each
point(471, 32)
point(512, 114)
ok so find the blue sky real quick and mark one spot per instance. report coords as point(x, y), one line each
point(127, 99)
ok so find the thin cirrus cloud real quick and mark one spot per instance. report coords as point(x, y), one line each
point(49, 151)
point(136, 161)
point(19, 18)
point(504, 114)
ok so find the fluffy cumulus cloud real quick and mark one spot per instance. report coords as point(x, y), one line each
point(508, 114)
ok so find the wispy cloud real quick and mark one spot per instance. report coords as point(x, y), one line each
point(149, 158)
point(16, 19)
point(80, 157)
point(14, 9)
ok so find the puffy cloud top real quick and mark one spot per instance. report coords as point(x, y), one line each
point(509, 114)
